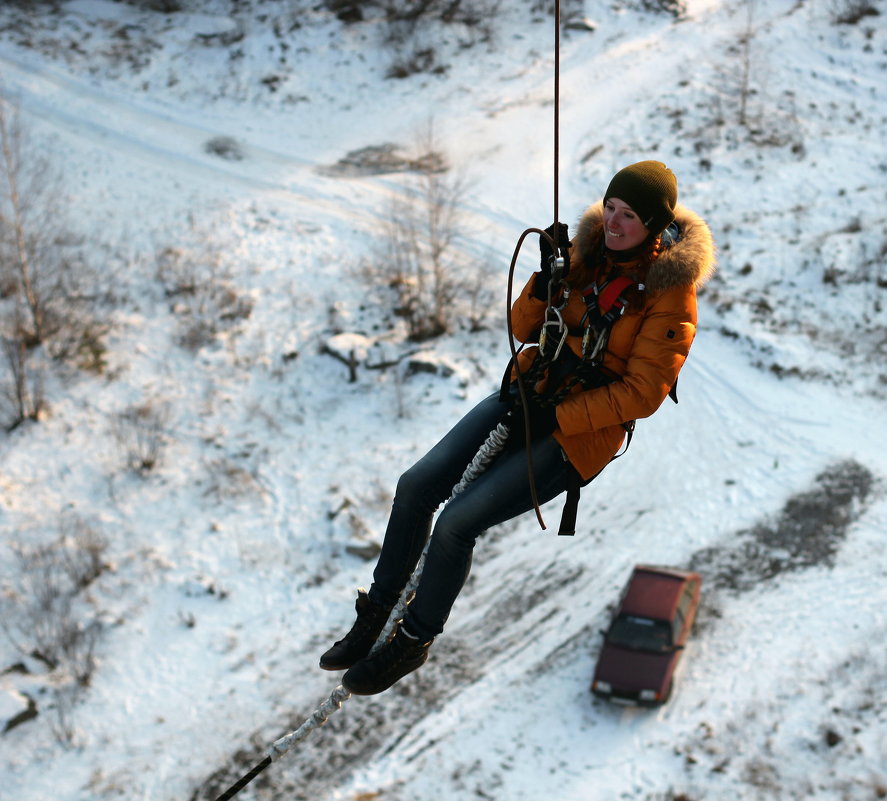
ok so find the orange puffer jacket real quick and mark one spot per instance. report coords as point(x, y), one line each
point(647, 345)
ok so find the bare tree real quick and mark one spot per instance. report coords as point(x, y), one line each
point(49, 288)
point(19, 275)
point(30, 238)
point(745, 42)
point(23, 392)
point(48, 295)
point(420, 254)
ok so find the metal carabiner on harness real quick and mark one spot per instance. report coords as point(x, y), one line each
point(599, 344)
point(561, 329)
point(597, 320)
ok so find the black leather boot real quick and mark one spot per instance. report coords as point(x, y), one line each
point(356, 644)
point(402, 654)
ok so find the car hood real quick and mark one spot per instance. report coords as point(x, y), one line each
point(633, 670)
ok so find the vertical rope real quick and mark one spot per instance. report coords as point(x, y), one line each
point(557, 105)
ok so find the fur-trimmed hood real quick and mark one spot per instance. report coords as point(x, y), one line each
point(689, 261)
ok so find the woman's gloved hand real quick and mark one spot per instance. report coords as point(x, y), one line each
point(542, 417)
point(562, 236)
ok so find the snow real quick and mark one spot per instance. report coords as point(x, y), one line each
point(231, 563)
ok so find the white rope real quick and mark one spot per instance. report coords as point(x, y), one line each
point(318, 718)
point(494, 443)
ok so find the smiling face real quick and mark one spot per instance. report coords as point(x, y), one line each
point(623, 229)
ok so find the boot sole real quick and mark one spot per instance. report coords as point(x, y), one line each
point(327, 666)
point(388, 683)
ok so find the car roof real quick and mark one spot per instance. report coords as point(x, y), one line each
point(653, 592)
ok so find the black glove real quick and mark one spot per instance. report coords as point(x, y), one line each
point(540, 288)
point(543, 418)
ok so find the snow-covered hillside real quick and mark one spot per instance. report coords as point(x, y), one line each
point(213, 466)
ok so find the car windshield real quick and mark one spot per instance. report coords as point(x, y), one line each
point(640, 634)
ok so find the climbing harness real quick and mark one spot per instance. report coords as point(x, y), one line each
point(563, 370)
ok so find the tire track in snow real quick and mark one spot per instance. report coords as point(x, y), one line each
point(159, 138)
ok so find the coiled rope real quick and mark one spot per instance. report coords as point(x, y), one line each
point(494, 443)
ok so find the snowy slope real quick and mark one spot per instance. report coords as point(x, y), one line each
point(229, 566)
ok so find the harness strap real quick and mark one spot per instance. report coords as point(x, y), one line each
point(610, 293)
point(574, 488)
point(571, 504)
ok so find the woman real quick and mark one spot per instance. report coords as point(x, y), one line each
point(625, 320)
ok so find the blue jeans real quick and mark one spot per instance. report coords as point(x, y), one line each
point(500, 493)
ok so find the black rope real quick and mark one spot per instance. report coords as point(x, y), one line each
point(519, 378)
point(557, 104)
point(244, 780)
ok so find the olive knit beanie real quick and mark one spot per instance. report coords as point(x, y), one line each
point(651, 190)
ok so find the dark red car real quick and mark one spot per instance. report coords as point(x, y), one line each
point(646, 636)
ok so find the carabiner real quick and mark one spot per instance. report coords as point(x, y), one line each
point(562, 331)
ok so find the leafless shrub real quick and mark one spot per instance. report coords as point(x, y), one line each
point(571, 12)
point(409, 14)
point(480, 296)
point(852, 12)
point(40, 268)
point(418, 59)
point(141, 434)
point(677, 8)
point(41, 613)
point(201, 288)
point(385, 159)
point(411, 30)
point(226, 480)
point(225, 147)
point(420, 251)
point(84, 345)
